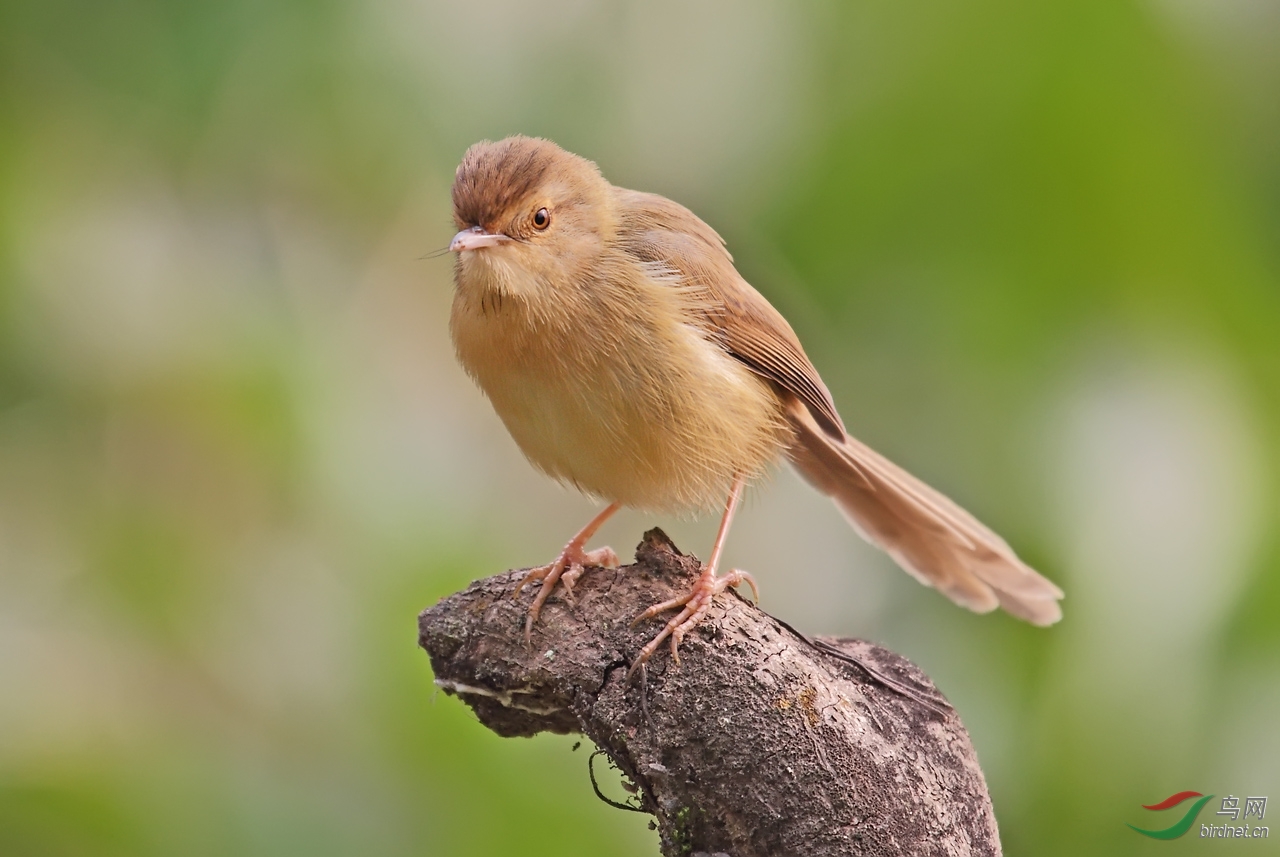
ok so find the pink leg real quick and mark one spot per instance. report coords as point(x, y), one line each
point(696, 604)
point(568, 566)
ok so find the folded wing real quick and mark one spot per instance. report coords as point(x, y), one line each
point(931, 537)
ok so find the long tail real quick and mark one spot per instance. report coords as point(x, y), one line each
point(939, 543)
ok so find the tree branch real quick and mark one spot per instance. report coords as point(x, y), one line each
point(761, 742)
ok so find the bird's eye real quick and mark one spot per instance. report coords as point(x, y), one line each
point(541, 219)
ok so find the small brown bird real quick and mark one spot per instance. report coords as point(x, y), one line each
point(628, 358)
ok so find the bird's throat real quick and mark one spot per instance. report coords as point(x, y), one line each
point(486, 283)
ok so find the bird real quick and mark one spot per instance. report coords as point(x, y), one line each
point(628, 358)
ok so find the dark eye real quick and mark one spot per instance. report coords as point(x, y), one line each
point(541, 219)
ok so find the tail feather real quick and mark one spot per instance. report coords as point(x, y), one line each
point(936, 541)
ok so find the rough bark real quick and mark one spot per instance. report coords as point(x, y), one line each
point(761, 742)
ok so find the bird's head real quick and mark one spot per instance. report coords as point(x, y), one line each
point(530, 215)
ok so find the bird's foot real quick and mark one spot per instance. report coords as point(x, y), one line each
point(693, 607)
point(566, 569)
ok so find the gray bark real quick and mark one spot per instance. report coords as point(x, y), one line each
point(761, 741)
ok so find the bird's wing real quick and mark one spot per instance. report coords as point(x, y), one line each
point(665, 234)
point(930, 536)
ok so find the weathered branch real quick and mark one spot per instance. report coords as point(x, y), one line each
point(760, 742)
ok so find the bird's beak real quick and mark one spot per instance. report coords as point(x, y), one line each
point(476, 238)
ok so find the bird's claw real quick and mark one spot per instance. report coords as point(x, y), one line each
point(566, 569)
point(693, 607)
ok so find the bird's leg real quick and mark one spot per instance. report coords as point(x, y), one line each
point(697, 602)
point(568, 566)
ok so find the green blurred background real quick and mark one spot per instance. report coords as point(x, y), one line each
point(1033, 248)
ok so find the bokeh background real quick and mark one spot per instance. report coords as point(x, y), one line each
point(1033, 248)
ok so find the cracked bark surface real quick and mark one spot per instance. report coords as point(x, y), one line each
point(761, 742)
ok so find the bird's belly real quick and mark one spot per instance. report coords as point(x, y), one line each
point(667, 427)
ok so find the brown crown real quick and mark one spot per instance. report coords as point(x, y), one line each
point(497, 180)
